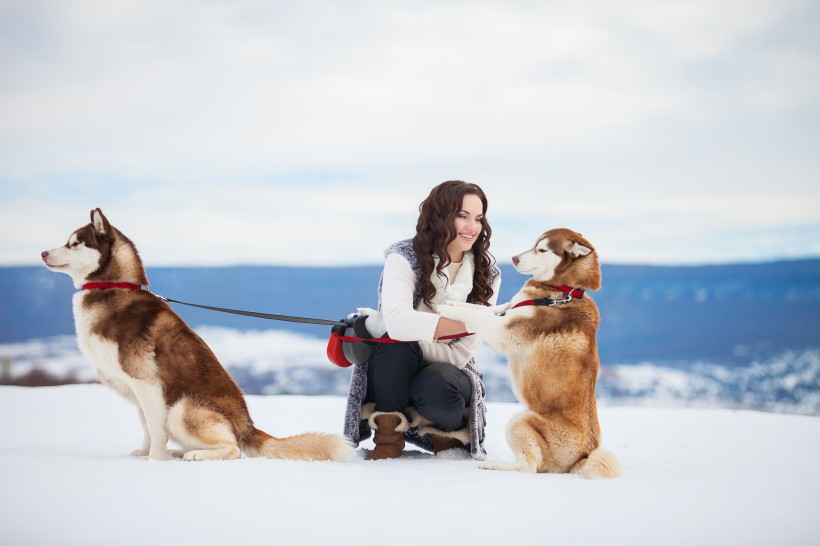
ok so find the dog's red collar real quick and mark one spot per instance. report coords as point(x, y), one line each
point(103, 285)
point(569, 292)
point(574, 292)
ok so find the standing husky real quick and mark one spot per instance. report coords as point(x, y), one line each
point(548, 335)
point(145, 352)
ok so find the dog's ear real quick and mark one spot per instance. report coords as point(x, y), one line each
point(100, 222)
point(576, 249)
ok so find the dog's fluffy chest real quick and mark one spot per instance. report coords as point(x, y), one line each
point(101, 352)
point(550, 349)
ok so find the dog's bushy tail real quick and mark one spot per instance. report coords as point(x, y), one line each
point(598, 464)
point(309, 446)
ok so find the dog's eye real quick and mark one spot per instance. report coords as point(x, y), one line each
point(542, 250)
point(75, 243)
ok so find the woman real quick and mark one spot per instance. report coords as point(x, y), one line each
point(427, 390)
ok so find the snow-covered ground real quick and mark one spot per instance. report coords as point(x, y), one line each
point(692, 476)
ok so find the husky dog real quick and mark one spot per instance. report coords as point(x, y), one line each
point(548, 335)
point(145, 352)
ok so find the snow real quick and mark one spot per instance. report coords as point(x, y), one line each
point(692, 476)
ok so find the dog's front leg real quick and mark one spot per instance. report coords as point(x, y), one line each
point(124, 389)
point(499, 309)
point(146, 438)
point(155, 416)
point(481, 321)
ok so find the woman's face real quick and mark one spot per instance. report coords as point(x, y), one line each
point(468, 226)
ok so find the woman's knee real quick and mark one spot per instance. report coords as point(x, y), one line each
point(396, 355)
point(435, 382)
point(440, 393)
point(399, 360)
point(390, 373)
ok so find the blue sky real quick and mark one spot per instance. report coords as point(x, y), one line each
point(308, 132)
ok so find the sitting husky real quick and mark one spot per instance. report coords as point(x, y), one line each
point(145, 352)
point(548, 335)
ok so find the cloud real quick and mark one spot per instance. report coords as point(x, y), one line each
point(340, 224)
point(321, 119)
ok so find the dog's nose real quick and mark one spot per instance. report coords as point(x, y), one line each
point(44, 254)
point(515, 260)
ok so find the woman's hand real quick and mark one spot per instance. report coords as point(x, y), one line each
point(447, 327)
point(374, 321)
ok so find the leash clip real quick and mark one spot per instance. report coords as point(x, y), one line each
point(163, 298)
point(552, 302)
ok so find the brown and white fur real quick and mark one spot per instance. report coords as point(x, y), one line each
point(145, 352)
point(553, 359)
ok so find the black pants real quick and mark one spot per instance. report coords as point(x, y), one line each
point(398, 377)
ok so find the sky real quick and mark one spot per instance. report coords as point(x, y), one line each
point(307, 133)
point(690, 476)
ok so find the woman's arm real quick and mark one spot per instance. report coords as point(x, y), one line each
point(402, 321)
point(462, 350)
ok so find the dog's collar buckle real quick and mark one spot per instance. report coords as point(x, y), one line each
point(548, 302)
point(570, 293)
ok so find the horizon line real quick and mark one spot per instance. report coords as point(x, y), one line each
point(380, 264)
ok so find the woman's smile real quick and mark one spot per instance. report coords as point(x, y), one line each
point(467, 226)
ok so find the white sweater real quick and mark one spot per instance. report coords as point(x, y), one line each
point(405, 323)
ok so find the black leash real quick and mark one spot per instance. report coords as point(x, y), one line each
point(287, 318)
point(269, 316)
point(550, 302)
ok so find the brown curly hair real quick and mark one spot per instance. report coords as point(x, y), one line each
point(435, 230)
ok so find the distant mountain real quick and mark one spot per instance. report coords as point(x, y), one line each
point(275, 362)
point(727, 314)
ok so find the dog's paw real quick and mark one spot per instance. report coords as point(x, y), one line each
point(141, 452)
point(501, 465)
point(157, 454)
point(176, 453)
point(195, 455)
point(501, 309)
point(465, 311)
point(454, 303)
point(453, 313)
point(216, 454)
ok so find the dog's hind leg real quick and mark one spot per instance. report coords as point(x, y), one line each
point(598, 464)
point(526, 443)
point(501, 465)
point(203, 433)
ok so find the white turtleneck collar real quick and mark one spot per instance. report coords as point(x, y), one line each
point(457, 282)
